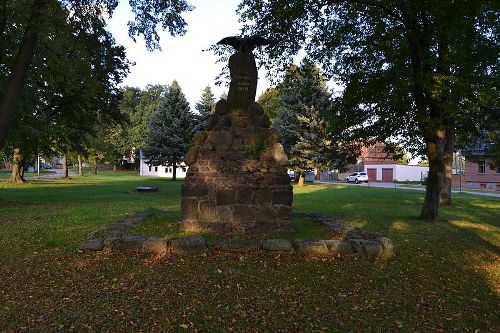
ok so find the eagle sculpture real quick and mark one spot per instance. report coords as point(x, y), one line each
point(244, 44)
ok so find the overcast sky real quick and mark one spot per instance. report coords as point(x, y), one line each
point(181, 57)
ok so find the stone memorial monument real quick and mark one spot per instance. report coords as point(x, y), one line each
point(237, 180)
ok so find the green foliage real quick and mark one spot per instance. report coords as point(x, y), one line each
point(171, 129)
point(421, 72)
point(206, 105)
point(300, 119)
point(253, 151)
point(271, 102)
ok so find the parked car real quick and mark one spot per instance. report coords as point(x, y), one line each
point(357, 177)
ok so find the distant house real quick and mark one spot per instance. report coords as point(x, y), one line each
point(381, 166)
point(160, 170)
point(479, 172)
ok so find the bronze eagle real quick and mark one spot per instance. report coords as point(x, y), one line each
point(244, 44)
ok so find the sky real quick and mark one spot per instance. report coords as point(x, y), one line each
point(181, 57)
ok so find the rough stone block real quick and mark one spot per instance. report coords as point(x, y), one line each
point(243, 214)
point(387, 246)
point(189, 208)
point(373, 249)
point(279, 154)
point(311, 247)
point(225, 197)
point(263, 198)
point(282, 198)
point(95, 244)
point(200, 137)
point(192, 155)
point(127, 244)
point(277, 245)
point(285, 212)
point(155, 245)
point(207, 211)
point(224, 213)
point(193, 192)
point(188, 244)
point(237, 245)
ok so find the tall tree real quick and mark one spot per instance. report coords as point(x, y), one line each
point(35, 26)
point(206, 104)
point(410, 68)
point(170, 130)
point(300, 119)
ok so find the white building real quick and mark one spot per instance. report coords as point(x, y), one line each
point(390, 172)
point(160, 170)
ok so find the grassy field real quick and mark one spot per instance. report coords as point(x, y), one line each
point(444, 277)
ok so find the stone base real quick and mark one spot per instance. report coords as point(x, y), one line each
point(237, 182)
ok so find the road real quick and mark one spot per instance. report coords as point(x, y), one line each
point(405, 187)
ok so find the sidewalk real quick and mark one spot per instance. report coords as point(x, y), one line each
point(405, 187)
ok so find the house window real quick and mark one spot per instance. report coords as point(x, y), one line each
point(156, 169)
point(482, 167)
point(166, 169)
point(150, 168)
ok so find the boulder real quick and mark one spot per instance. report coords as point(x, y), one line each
point(277, 245)
point(155, 245)
point(95, 244)
point(317, 247)
point(188, 244)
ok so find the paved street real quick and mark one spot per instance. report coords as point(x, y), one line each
point(405, 187)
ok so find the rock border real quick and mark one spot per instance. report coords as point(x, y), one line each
point(356, 242)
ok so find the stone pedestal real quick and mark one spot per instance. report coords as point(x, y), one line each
point(237, 179)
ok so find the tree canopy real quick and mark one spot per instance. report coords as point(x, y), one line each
point(413, 70)
point(170, 130)
point(31, 42)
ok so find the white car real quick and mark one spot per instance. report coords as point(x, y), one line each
point(357, 177)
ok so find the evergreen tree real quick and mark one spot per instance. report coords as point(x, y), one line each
point(300, 120)
point(171, 129)
point(206, 105)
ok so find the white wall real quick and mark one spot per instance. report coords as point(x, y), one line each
point(161, 170)
point(410, 172)
point(400, 172)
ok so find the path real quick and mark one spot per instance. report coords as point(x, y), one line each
point(405, 187)
point(56, 174)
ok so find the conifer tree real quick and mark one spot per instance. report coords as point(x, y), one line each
point(206, 104)
point(170, 130)
point(300, 120)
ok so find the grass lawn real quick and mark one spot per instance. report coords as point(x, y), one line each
point(5, 175)
point(444, 277)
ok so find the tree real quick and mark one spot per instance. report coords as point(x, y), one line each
point(136, 105)
point(410, 69)
point(304, 100)
point(270, 101)
point(37, 25)
point(170, 130)
point(206, 105)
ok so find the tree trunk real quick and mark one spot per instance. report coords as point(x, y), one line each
point(17, 76)
point(301, 181)
point(16, 176)
point(174, 170)
point(435, 155)
point(80, 166)
point(445, 198)
point(114, 167)
point(94, 169)
point(65, 167)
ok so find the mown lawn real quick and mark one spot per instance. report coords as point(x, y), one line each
point(444, 277)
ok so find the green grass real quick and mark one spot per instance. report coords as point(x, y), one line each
point(6, 175)
point(445, 276)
